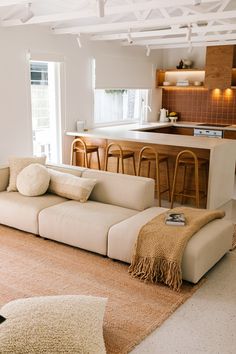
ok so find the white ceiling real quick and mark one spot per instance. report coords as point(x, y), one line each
point(151, 23)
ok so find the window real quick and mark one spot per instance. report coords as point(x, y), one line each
point(45, 102)
point(112, 106)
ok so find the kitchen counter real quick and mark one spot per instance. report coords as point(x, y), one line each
point(138, 132)
point(221, 152)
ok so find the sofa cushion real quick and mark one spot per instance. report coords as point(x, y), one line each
point(122, 190)
point(33, 180)
point(17, 164)
point(81, 225)
point(21, 212)
point(53, 324)
point(70, 186)
point(203, 250)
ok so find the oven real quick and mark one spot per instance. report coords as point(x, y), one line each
point(210, 133)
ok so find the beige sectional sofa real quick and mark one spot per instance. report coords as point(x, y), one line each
point(109, 222)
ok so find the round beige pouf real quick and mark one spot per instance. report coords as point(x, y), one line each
point(33, 180)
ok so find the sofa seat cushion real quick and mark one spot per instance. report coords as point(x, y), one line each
point(21, 212)
point(203, 250)
point(82, 225)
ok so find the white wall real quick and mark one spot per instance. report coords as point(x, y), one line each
point(77, 94)
point(172, 57)
point(15, 115)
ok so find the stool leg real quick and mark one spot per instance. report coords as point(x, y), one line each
point(86, 159)
point(72, 155)
point(158, 181)
point(174, 184)
point(183, 185)
point(206, 178)
point(106, 161)
point(122, 165)
point(118, 165)
point(149, 168)
point(98, 158)
point(134, 166)
point(168, 180)
point(89, 161)
point(197, 185)
point(139, 165)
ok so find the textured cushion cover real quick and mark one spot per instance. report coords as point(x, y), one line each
point(53, 324)
point(17, 164)
point(70, 186)
point(33, 180)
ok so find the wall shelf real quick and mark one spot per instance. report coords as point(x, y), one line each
point(173, 75)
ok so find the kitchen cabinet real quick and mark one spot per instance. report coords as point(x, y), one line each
point(230, 134)
point(220, 61)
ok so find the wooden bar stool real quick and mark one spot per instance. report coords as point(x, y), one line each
point(188, 159)
point(149, 154)
point(119, 154)
point(78, 145)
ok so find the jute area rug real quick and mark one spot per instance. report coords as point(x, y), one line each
point(32, 266)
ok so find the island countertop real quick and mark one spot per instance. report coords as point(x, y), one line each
point(139, 133)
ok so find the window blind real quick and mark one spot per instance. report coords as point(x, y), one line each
point(121, 72)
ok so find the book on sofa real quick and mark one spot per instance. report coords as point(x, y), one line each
point(175, 219)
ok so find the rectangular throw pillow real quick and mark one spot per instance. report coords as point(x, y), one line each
point(17, 164)
point(70, 186)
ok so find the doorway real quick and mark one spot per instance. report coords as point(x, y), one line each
point(46, 111)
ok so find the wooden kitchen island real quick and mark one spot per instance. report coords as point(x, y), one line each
point(221, 154)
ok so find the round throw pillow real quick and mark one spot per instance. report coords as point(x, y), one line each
point(33, 180)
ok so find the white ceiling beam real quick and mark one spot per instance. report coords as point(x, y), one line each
point(223, 5)
point(12, 2)
point(137, 14)
point(201, 44)
point(146, 14)
point(109, 10)
point(162, 33)
point(164, 13)
point(220, 37)
point(158, 22)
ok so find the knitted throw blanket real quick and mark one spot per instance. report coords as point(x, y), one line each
point(159, 247)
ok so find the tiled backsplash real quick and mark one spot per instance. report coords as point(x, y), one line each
point(201, 105)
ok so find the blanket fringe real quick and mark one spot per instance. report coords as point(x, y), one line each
point(157, 270)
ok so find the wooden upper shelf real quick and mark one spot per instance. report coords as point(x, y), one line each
point(220, 70)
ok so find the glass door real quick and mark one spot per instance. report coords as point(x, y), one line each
point(46, 115)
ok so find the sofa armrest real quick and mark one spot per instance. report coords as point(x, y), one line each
point(4, 177)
